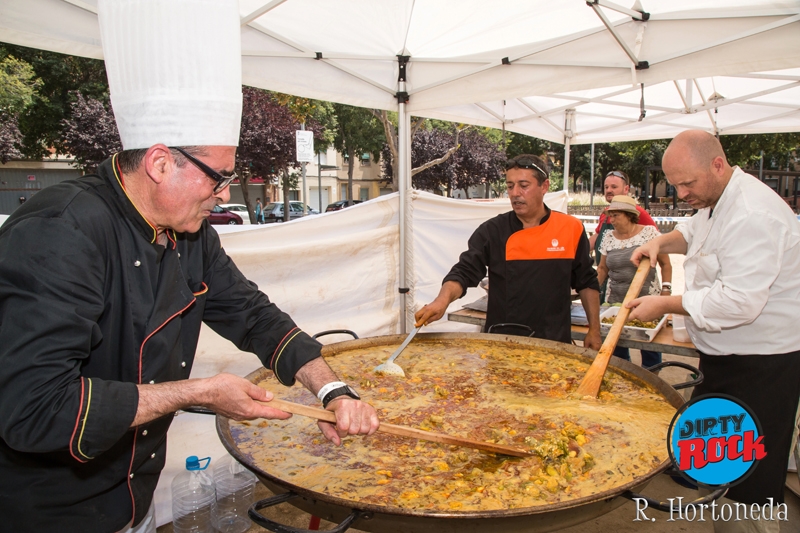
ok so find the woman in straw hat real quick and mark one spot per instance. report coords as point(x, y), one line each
point(615, 265)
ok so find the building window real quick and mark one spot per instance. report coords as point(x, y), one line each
point(386, 190)
point(363, 194)
point(365, 161)
point(294, 195)
point(343, 192)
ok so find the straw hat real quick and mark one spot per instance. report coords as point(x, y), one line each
point(174, 70)
point(624, 203)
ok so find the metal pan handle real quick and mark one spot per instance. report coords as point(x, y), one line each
point(334, 332)
point(693, 370)
point(266, 523)
point(511, 325)
point(666, 507)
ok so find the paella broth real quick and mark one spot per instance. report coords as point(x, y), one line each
point(485, 391)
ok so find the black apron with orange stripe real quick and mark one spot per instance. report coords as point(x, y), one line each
point(531, 271)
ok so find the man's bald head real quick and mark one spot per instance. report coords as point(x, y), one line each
point(697, 146)
point(695, 164)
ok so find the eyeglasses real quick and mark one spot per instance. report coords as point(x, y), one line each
point(222, 181)
point(619, 175)
point(525, 162)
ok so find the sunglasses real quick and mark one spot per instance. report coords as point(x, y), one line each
point(619, 175)
point(525, 162)
point(222, 181)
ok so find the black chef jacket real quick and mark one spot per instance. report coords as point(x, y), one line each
point(91, 305)
point(531, 271)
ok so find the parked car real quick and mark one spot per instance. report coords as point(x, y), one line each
point(273, 212)
point(341, 204)
point(220, 215)
point(239, 209)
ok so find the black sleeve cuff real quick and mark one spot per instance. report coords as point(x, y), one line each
point(295, 350)
point(106, 413)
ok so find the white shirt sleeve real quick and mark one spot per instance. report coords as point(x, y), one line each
point(739, 269)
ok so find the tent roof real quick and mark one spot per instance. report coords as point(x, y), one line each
point(467, 56)
point(767, 102)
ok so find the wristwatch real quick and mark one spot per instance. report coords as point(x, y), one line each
point(340, 391)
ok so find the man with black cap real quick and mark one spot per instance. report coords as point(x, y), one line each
point(534, 257)
point(105, 281)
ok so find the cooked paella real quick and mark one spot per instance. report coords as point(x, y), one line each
point(493, 392)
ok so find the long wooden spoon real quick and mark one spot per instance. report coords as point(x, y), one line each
point(401, 431)
point(590, 385)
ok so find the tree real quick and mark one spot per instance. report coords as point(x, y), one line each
point(18, 84)
point(438, 165)
point(267, 140)
point(780, 150)
point(61, 75)
point(304, 110)
point(517, 143)
point(10, 139)
point(90, 134)
point(357, 131)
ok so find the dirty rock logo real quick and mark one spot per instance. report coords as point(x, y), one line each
point(715, 440)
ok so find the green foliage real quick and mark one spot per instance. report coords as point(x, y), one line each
point(304, 109)
point(780, 150)
point(60, 75)
point(637, 156)
point(556, 180)
point(357, 131)
point(18, 84)
point(517, 143)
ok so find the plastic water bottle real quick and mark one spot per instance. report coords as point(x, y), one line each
point(235, 490)
point(193, 497)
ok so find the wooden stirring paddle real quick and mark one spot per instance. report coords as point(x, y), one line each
point(401, 431)
point(590, 385)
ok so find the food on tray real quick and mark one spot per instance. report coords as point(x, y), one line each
point(482, 390)
point(636, 323)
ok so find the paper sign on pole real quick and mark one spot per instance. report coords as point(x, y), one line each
point(305, 146)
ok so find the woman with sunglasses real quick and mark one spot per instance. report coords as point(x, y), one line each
point(615, 266)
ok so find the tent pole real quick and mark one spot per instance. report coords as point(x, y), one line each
point(304, 197)
point(591, 178)
point(566, 165)
point(569, 114)
point(402, 149)
point(319, 180)
point(404, 183)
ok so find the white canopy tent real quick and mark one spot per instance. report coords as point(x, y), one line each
point(519, 64)
point(490, 63)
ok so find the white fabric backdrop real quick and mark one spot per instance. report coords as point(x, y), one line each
point(336, 270)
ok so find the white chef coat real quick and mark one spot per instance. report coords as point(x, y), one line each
point(742, 272)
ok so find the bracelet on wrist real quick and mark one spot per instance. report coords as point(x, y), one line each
point(329, 387)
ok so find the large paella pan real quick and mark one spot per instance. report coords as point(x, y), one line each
point(509, 390)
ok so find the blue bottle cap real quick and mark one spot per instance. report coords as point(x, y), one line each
point(193, 463)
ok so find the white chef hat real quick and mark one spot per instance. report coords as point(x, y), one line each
point(174, 69)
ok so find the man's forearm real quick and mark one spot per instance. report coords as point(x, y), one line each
point(590, 299)
point(672, 243)
point(315, 374)
point(162, 399)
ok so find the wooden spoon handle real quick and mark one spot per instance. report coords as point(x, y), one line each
point(590, 385)
point(401, 431)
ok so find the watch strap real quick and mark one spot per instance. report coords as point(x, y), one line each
point(341, 391)
point(329, 387)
